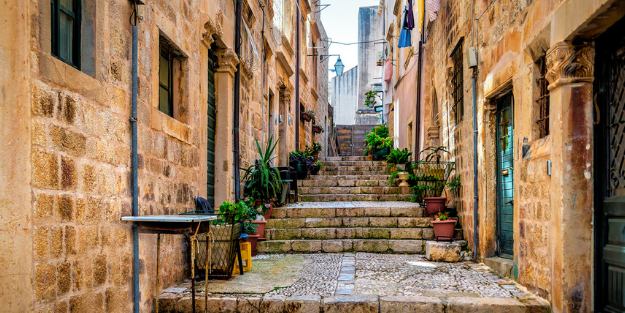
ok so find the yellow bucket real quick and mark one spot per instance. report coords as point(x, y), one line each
point(246, 255)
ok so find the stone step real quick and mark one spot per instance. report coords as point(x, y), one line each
point(354, 197)
point(367, 168)
point(352, 173)
point(348, 209)
point(353, 163)
point(341, 183)
point(343, 245)
point(350, 158)
point(356, 190)
point(350, 233)
point(323, 222)
point(348, 177)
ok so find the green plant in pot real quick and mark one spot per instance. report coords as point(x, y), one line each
point(444, 227)
point(262, 180)
point(399, 158)
point(299, 161)
point(378, 143)
point(316, 168)
point(433, 175)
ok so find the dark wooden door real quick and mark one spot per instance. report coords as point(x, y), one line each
point(505, 176)
point(610, 170)
point(211, 113)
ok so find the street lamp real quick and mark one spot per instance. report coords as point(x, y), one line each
point(338, 66)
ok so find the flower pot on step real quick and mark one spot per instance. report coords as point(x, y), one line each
point(400, 167)
point(253, 239)
point(444, 229)
point(434, 205)
point(302, 171)
point(381, 153)
point(260, 228)
point(267, 214)
point(403, 177)
point(315, 170)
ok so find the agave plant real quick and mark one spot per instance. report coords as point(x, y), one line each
point(261, 178)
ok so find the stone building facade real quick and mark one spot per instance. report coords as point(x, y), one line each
point(65, 117)
point(549, 169)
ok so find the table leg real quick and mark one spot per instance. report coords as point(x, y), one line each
point(158, 261)
point(193, 274)
point(206, 275)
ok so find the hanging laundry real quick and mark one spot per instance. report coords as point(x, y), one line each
point(409, 18)
point(388, 70)
point(420, 9)
point(433, 6)
point(405, 38)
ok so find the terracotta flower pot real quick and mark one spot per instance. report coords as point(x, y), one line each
point(260, 228)
point(434, 204)
point(252, 239)
point(267, 214)
point(444, 229)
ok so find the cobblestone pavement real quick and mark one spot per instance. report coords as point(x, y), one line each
point(396, 275)
point(330, 274)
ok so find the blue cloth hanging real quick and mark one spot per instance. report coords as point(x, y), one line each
point(405, 38)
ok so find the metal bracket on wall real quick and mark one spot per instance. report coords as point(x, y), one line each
point(549, 167)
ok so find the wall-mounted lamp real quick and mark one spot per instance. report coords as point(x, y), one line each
point(338, 66)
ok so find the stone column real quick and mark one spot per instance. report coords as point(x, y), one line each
point(224, 98)
point(283, 128)
point(570, 74)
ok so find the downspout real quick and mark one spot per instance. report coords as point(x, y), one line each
point(297, 65)
point(475, 192)
point(237, 100)
point(135, 178)
point(417, 137)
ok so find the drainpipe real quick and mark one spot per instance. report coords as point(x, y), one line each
point(297, 65)
point(475, 193)
point(237, 92)
point(417, 137)
point(135, 177)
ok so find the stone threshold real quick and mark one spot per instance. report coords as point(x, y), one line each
point(170, 302)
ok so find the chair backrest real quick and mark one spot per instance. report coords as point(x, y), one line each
point(202, 204)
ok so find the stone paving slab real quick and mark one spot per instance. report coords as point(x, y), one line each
point(366, 282)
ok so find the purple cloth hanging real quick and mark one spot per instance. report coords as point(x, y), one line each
point(409, 19)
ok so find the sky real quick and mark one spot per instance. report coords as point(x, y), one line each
point(340, 21)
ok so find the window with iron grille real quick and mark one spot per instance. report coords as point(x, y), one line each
point(66, 27)
point(457, 84)
point(542, 119)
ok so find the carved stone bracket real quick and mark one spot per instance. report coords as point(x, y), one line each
point(569, 63)
point(227, 61)
point(212, 29)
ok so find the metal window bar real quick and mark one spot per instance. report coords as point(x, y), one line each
point(457, 83)
point(543, 99)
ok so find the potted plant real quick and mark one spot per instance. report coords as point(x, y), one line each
point(313, 117)
point(378, 143)
point(314, 150)
point(316, 168)
point(443, 226)
point(317, 129)
point(399, 158)
point(370, 98)
point(262, 179)
point(304, 116)
point(298, 160)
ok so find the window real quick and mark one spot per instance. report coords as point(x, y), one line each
point(165, 79)
point(457, 84)
point(542, 120)
point(66, 27)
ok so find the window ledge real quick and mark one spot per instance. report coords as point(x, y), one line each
point(537, 148)
point(169, 125)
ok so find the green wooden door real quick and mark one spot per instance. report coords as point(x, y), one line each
point(505, 174)
point(210, 132)
point(610, 171)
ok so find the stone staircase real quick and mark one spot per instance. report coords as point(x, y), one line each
point(349, 207)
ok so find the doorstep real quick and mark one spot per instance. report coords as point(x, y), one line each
point(502, 266)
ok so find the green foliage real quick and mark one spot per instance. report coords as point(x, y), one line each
point(391, 178)
point(377, 139)
point(454, 184)
point(442, 216)
point(370, 98)
point(419, 192)
point(434, 153)
point(229, 210)
point(314, 150)
point(398, 156)
point(262, 179)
